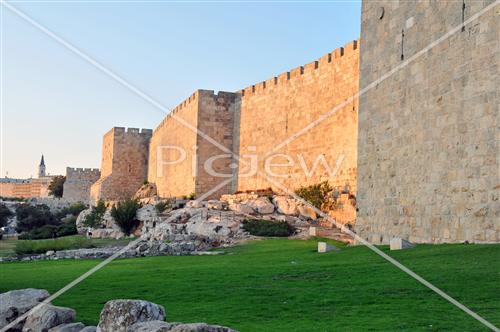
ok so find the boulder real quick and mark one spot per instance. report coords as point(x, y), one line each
point(241, 208)
point(145, 191)
point(80, 227)
point(325, 247)
point(286, 205)
point(307, 212)
point(200, 327)
point(119, 315)
point(89, 329)
point(17, 302)
point(398, 243)
point(72, 327)
point(215, 205)
point(262, 205)
point(194, 204)
point(47, 316)
point(152, 326)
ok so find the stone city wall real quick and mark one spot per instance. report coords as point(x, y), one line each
point(78, 183)
point(124, 164)
point(428, 167)
point(273, 111)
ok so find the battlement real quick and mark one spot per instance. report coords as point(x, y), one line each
point(123, 131)
point(76, 170)
point(197, 95)
point(284, 78)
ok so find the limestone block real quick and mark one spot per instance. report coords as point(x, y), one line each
point(398, 243)
point(325, 247)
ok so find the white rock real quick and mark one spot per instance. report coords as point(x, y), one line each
point(262, 205)
point(153, 326)
point(215, 205)
point(312, 231)
point(17, 302)
point(201, 327)
point(194, 204)
point(118, 315)
point(72, 327)
point(325, 247)
point(398, 243)
point(47, 316)
point(241, 208)
point(286, 205)
point(307, 212)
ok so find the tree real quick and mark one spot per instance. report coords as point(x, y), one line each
point(5, 214)
point(95, 217)
point(31, 217)
point(125, 215)
point(56, 186)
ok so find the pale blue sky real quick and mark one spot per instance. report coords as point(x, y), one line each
point(56, 103)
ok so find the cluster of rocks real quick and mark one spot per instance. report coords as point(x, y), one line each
point(28, 310)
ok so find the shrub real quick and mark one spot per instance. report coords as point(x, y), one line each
point(5, 214)
point(30, 217)
point(42, 246)
point(190, 197)
point(161, 206)
point(316, 194)
point(56, 186)
point(94, 218)
point(73, 209)
point(268, 228)
point(125, 215)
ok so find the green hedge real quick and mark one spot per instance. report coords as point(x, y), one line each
point(42, 246)
point(268, 228)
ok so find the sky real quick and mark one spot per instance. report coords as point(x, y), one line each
point(55, 103)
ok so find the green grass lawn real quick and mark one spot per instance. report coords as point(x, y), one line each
point(284, 285)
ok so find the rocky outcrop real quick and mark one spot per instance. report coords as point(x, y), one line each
point(116, 316)
point(17, 302)
point(146, 191)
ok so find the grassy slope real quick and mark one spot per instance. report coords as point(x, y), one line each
point(282, 285)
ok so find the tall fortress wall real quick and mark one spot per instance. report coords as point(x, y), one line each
point(275, 112)
point(428, 154)
point(421, 159)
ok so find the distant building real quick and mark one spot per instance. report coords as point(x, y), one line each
point(27, 188)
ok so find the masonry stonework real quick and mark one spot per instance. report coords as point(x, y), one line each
point(78, 183)
point(428, 167)
point(273, 111)
point(193, 141)
point(124, 164)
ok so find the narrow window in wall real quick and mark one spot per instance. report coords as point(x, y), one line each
point(129, 168)
point(402, 44)
point(463, 15)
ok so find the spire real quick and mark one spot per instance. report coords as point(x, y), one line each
point(41, 168)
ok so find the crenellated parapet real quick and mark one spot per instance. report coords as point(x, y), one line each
point(303, 72)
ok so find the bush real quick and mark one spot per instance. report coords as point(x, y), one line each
point(30, 217)
point(125, 215)
point(160, 207)
point(73, 210)
point(316, 194)
point(42, 246)
point(94, 218)
point(56, 186)
point(189, 197)
point(268, 228)
point(5, 214)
